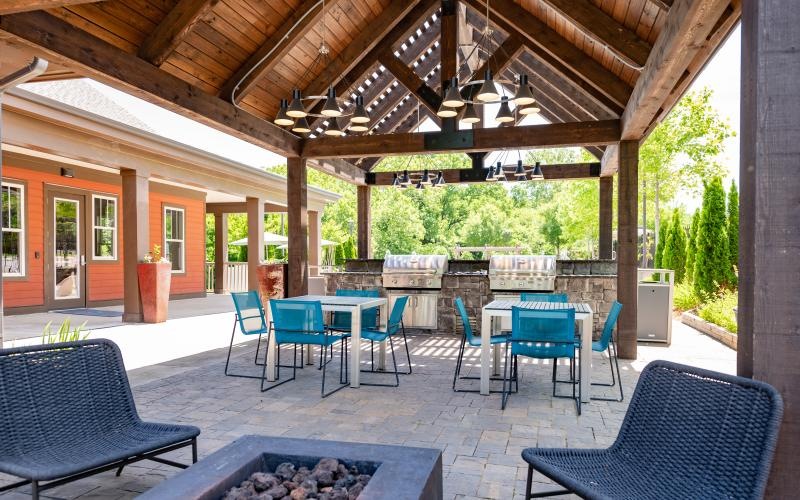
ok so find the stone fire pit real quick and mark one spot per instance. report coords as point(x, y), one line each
point(398, 472)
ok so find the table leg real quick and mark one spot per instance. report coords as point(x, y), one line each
point(310, 355)
point(586, 357)
point(355, 347)
point(271, 346)
point(495, 360)
point(486, 332)
point(382, 345)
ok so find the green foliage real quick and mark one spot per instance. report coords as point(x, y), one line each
point(675, 247)
point(663, 231)
point(65, 333)
point(691, 246)
point(733, 230)
point(719, 310)
point(684, 298)
point(551, 230)
point(338, 256)
point(711, 260)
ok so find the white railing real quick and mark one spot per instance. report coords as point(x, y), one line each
point(235, 276)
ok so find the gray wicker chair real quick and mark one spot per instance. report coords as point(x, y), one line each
point(67, 412)
point(688, 433)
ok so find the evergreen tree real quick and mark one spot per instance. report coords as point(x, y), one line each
point(338, 255)
point(733, 230)
point(675, 249)
point(691, 246)
point(711, 266)
point(663, 231)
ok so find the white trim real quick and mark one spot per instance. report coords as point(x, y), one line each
point(22, 231)
point(182, 239)
point(78, 269)
point(113, 228)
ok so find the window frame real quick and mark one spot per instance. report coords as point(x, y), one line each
point(115, 229)
point(182, 240)
point(22, 231)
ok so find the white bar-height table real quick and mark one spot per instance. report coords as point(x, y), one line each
point(502, 309)
point(353, 305)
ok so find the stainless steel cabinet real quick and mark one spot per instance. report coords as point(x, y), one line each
point(422, 309)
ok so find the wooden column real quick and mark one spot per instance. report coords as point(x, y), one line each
point(769, 240)
point(627, 218)
point(448, 49)
point(220, 251)
point(314, 242)
point(255, 240)
point(364, 196)
point(296, 185)
point(606, 216)
point(135, 238)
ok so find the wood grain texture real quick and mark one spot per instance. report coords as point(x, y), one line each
point(364, 223)
point(16, 6)
point(411, 81)
point(297, 210)
point(173, 29)
point(627, 247)
point(606, 216)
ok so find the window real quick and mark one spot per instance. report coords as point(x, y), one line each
point(13, 229)
point(173, 238)
point(104, 227)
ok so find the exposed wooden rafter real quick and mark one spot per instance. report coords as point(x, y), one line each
point(172, 30)
point(16, 6)
point(410, 80)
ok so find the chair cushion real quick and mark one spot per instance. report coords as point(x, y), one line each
point(58, 456)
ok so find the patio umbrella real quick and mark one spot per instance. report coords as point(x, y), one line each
point(269, 239)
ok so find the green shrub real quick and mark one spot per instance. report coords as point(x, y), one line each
point(719, 310)
point(684, 298)
point(64, 333)
point(712, 264)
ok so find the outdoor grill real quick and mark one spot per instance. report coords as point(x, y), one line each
point(414, 271)
point(529, 273)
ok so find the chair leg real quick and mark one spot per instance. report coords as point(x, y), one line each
point(529, 483)
point(228, 359)
point(408, 353)
point(504, 397)
point(258, 348)
point(458, 361)
point(194, 450)
point(613, 361)
point(325, 369)
point(278, 370)
point(35, 489)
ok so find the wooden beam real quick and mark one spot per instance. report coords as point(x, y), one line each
point(135, 238)
point(606, 216)
point(563, 171)
point(532, 136)
point(173, 29)
point(688, 24)
point(596, 24)
point(294, 28)
point(240, 207)
point(448, 41)
point(411, 81)
point(297, 248)
point(64, 44)
point(364, 224)
point(340, 169)
point(220, 252)
point(627, 247)
point(610, 161)
point(17, 6)
point(664, 5)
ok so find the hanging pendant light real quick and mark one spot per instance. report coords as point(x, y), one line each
point(470, 114)
point(488, 91)
point(446, 112)
point(439, 180)
point(537, 172)
point(395, 181)
point(282, 118)
point(529, 109)
point(360, 115)
point(357, 127)
point(301, 126)
point(490, 174)
point(333, 129)
point(331, 108)
point(499, 174)
point(452, 98)
point(519, 172)
point(504, 115)
point(405, 180)
point(523, 96)
point(426, 177)
point(420, 185)
point(296, 109)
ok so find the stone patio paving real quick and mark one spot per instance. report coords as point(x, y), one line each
point(481, 444)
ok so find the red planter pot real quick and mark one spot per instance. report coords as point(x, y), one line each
point(154, 281)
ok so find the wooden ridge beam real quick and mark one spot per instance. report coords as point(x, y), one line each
point(688, 25)
point(266, 58)
point(411, 81)
point(62, 43)
point(596, 24)
point(17, 6)
point(563, 171)
point(593, 133)
point(173, 29)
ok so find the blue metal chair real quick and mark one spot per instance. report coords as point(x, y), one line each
point(341, 320)
point(393, 326)
point(251, 320)
point(542, 334)
point(300, 322)
point(544, 297)
point(469, 338)
point(606, 342)
point(688, 433)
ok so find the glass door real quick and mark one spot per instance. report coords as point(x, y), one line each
point(67, 259)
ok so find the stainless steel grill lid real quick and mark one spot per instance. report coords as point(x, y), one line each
point(414, 271)
point(522, 272)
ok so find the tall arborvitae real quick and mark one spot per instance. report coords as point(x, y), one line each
point(691, 246)
point(675, 248)
point(663, 231)
point(712, 263)
point(733, 231)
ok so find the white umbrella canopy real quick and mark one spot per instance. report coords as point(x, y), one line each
point(324, 243)
point(269, 239)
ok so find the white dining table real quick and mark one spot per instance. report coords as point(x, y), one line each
point(502, 309)
point(333, 303)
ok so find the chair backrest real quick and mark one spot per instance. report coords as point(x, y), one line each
point(62, 391)
point(369, 317)
point(544, 297)
point(718, 431)
point(249, 312)
point(293, 319)
point(396, 316)
point(462, 311)
point(608, 328)
point(543, 333)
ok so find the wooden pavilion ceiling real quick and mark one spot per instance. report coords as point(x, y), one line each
point(584, 57)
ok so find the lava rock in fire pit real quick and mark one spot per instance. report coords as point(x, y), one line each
point(328, 480)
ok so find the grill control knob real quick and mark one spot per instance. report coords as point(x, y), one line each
point(411, 282)
point(394, 281)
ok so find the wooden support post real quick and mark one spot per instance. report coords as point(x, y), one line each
point(364, 196)
point(769, 242)
point(627, 215)
point(314, 242)
point(220, 251)
point(255, 240)
point(606, 216)
point(135, 238)
point(297, 195)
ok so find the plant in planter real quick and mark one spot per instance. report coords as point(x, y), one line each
point(155, 274)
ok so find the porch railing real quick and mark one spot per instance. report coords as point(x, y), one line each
point(235, 276)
